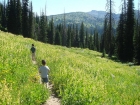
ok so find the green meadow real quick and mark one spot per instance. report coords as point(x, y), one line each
point(79, 76)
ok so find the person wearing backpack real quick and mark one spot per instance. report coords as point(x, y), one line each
point(33, 50)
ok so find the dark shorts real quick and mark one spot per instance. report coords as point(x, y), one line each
point(44, 80)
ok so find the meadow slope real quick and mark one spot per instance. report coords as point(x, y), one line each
point(79, 76)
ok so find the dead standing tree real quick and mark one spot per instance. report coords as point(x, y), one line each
point(110, 24)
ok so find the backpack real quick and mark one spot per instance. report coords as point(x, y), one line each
point(33, 50)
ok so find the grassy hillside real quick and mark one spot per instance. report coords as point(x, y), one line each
point(80, 76)
point(19, 79)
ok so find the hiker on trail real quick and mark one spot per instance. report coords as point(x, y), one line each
point(33, 50)
point(44, 71)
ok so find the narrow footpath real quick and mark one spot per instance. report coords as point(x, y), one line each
point(53, 100)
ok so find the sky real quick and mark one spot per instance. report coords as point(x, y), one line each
point(54, 7)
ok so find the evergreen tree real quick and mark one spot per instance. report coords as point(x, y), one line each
point(87, 40)
point(37, 18)
point(11, 22)
point(128, 38)
point(101, 43)
point(94, 39)
point(3, 16)
point(64, 37)
point(60, 27)
point(97, 41)
point(136, 40)
point(124, 5)
point(58, 37)
point(76, 42)
point(104, 37)
point(73, 35)
point(37, 28)
point(1, 13)
point(69, 36)
point(51, 32)
point(31, 21)
point(25, 18)
point(43, 29)
point(120, 38)
point(137, 43)
point(121, 33)
point(82, 36)
point(110, 18)
point(91, 44)
point(18, 17)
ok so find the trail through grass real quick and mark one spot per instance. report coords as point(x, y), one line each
point(79, 76)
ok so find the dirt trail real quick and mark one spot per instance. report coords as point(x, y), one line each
point(53, 100)
point(34, 62)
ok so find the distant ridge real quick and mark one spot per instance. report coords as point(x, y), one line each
point(99, 14)
point(93, 19)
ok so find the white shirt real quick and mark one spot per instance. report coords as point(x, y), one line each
point(43, 70)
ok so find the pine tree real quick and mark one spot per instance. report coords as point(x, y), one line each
point(18, 17)
point(3, 18)
point(37, 28)
point(51, 32)
point(94, 38)
point(11, 22)
point(25, 18)
point(43, 29)
point(31, 21)
point(64, 36)
point(91, 44)
point(136, 41)
point(87, 40)
point(69, 36)
point(0, 13)
point(121, 33)
point(110, 18)
point(104, 37)
point(73, 35)
point(82, 36)
point(97, 41)
point(101, 43)
point(120, 37)
point(58, 37)
point(128, 38)
point(76, 42)
point(60, 27)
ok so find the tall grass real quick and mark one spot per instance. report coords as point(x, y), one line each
point(18, 76)
point(79, 76)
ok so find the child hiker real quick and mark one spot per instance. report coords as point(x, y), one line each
point(44, 71)
point(33, 50)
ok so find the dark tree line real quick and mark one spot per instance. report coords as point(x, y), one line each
point(127, 31)
point(17, 17)
point(125, 44)
point(136, 38)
